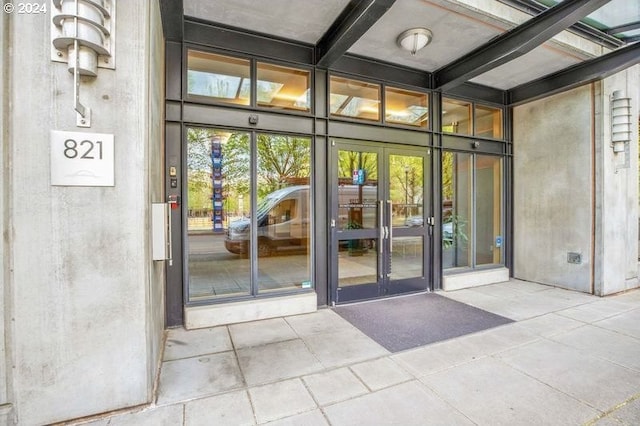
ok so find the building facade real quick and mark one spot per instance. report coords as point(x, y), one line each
point(241, 163)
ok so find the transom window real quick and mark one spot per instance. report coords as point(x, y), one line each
point(227, 79)
point(466, 118)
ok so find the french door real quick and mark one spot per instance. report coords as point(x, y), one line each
point(381, 222)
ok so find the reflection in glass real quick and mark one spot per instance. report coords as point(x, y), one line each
point(357, 262)
point(217, 77)
point(284, 212)
point(457, 175)
point(488, 122)
point(217, 224)
point(406, 107)
point(355, 99)
point(406, 258)
point(456, 116)
point(357, 189)
point(488, 244)
point(406, 190)
point(283, 87)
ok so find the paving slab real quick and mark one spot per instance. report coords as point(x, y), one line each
point(310, 418)
point(625, 323)
point(261, 333)
point(282, 399)
point(575, 373)
point(191, 378)
point(335, 385)
point(405, 404)
point(610, 345)
point(233, 408)
point(319, 322)
point(598, 310)
point(343, 347)
point(549, 324)
point(277, 361)
point(490, 392)
point(183, 344)
point(381, 373)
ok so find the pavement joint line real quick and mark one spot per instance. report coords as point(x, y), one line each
point(612, 410)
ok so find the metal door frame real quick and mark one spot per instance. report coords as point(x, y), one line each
point(382, 285)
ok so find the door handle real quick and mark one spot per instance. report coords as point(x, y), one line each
point(390, 203)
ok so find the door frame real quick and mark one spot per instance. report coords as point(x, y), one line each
point(384, 285)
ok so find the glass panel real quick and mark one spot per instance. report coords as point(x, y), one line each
point(217, 201)
point(357, 189)
point(357, 262)
point(219, 78)
point(355, 99)
point(284, 212)
point(283, 87)
point(456, 116)
point(406, 107)
point(488, 210)
point(406, 259)
point(488, 122)
point(616, 13)
point(406, 190)
point(456, 209)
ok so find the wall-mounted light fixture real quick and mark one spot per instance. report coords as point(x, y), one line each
point(414, 39)
point(82, 35)
point(620, 121)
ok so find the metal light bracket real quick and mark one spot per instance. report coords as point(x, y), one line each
point(82, 35)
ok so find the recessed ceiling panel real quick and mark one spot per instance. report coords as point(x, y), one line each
point(541, 61)
point(303, 20)
point(454, 34)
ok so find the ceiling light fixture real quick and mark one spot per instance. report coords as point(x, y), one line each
point(414, 39)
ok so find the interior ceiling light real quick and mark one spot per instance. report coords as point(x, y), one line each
point(414, 39)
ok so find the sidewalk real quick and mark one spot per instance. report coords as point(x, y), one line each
point(570, 359)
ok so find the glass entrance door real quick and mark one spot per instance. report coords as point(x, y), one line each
point(379, 220)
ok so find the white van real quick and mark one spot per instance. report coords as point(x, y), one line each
point(283, 219)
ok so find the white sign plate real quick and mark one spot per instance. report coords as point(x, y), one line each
point(82, 159)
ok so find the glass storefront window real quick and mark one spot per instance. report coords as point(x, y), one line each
point(284, 212)
point(488, 210)
point(471, 210)
point(218, 188)
point(488, 122)
point(406, 107)
point(283, 87)
point(457, 231)
point(220, 242)
point(456, 116)
point(219, 78)
point(354, 99)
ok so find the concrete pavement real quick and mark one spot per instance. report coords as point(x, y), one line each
point(569, 359)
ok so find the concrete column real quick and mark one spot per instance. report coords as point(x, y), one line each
point(617, 202)
point(553, 189)
point(85, 297)
point(5, 335)
point(575, 200)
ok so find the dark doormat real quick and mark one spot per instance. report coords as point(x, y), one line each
point(401, 323)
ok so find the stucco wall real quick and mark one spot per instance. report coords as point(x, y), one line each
point(85, 334)
point(553, 203)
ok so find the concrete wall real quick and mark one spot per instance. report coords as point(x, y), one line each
point(573, 194)
point(86, 327)
point(5, 407)
point(617, 204)
point(553, 182)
